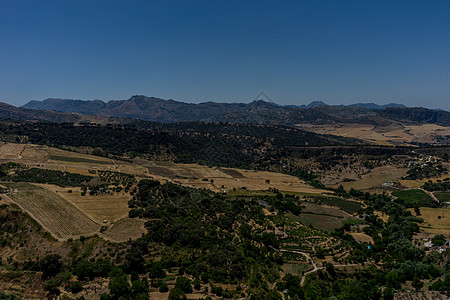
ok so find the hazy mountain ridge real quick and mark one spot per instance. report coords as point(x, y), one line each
point(259, 111)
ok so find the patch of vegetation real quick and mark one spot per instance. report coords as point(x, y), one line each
point(436, 186)
point(442, 196)
point(78, 160)
point(412, 198)
point(35, 175)
point(425, 171)
point(346, 205)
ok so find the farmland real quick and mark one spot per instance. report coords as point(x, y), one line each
point(109, 207)
point(442, 196)
point(413, 197)
point(58, 216)
point(436, 220)
point(393, 134)
point(376, 178)
point(193, 175)
point(125, 229)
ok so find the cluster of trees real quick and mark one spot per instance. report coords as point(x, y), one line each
point(425, 171)
point(436, 186)
point(24, 174)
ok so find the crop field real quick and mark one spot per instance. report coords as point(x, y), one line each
point(78, 160)
point(10, 151)
point(413, 197)
point(193, 175)
point(110, 207)
point(376, 178)
point(442, 196)
point(326, 223)
point(348, 206)
point(219, 179)
point(435, 220)
point(62, 219)
point(323, 210)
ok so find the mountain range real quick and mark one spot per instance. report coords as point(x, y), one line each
point(259, 111)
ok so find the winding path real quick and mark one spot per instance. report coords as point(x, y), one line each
point(315, 267)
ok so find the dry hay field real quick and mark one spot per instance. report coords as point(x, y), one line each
point(226, 179)
point(110, 207)
point(10, 151)
point(431, 221)
point(361, 237)
point(62, 219)
point(193, 175)
point(393, 134)
point(125, 229)
point(376, 178)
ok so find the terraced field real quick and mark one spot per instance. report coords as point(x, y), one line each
point(59, 217)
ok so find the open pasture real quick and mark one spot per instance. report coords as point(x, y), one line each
point(62, 219)
point(390, 135)
point(435, 220)
point(125, 229)
point(376, 178)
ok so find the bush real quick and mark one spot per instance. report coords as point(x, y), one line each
point(176, 294)
point(76, 287)
point(163, 288)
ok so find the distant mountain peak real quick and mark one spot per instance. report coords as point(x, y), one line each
point(316, 103)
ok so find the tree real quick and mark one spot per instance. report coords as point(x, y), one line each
point(119, 286)
point(50, 265)
point(438, 240)
point(176, 294)
point(76, 287)
point(183, 284)
point(417, 283)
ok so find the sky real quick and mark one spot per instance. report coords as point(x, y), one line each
point(339, 52)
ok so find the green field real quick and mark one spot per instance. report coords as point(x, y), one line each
point(413, 197)
point(348, 206)
point(79, 160)
point(326, 223)
point(442, 196)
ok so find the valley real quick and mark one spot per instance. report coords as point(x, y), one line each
point(233, 210)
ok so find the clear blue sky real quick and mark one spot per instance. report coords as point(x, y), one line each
point(227, 51)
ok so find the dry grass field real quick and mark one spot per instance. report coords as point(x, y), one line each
point(110, 207)
point(193, 175)
point(125, 229)
point(361, 237)
point(376, 178)
point(62, 219)
point(393, 134)
point(436, 220)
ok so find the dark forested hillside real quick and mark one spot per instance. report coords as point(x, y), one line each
point(235, 145)
point(417, 115)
